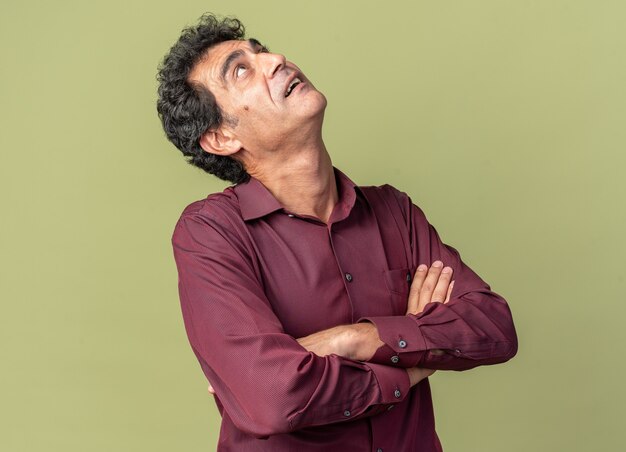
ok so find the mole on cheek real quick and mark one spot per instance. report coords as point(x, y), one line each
point(245, 107)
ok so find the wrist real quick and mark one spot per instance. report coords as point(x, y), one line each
point(364, 341)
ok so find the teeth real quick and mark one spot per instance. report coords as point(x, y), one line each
point(292, 85)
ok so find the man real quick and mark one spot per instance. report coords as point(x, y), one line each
point(316, 308)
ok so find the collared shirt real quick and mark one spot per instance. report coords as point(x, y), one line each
point(254, 277)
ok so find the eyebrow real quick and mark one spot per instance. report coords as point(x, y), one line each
point(230, 59)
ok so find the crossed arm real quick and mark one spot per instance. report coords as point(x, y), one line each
point(360, 341)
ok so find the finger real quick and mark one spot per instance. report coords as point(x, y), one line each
point(416, 286)
point(211, 390)
point(422, 374)
point(429, 284)
point(439, 294)
point(417, 374)
point(450, 287)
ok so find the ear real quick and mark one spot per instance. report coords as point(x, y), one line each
point(220, 141)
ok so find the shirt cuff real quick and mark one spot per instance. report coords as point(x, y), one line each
point(404, 342)
point(394, 383)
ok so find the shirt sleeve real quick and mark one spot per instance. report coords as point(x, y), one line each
point(474, 328)
point(264, 379)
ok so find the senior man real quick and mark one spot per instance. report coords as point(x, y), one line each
point(316, 308)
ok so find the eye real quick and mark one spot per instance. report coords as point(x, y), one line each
point(240, 70)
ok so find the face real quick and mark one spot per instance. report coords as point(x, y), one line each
point(272, 100)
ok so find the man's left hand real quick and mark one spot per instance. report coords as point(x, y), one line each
point(358, 341)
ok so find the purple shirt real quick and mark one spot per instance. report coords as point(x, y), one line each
point(253, 277)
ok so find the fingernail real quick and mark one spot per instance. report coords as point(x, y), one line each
point(447, 270)
point(421, 268)
point(437, 264)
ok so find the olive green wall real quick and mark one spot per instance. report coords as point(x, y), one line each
point(504, 120)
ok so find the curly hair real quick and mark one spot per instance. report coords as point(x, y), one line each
point(187, 110)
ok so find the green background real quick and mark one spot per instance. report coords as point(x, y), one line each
point(504, 121)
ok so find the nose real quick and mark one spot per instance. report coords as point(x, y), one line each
point(273, 62)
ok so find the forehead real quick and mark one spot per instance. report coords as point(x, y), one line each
point(208, 68)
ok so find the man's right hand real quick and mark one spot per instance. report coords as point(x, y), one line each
point(432, 285)
point(429, 285)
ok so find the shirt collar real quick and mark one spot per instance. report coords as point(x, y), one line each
point(256, 201)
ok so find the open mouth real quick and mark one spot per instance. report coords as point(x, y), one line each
point(295, 82)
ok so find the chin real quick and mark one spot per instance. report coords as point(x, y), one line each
point(315, 104)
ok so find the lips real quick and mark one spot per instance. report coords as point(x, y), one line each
point(294, 82)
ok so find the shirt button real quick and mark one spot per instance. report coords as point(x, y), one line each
point(379, 450)
point(395, 359)
point(401, 343)
point(397, 393)
point(408, 277)
point(457, 352)
point(346, 413)
point(348, 277)
point(390, 407)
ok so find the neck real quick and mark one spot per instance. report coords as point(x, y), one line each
point(301, 179)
